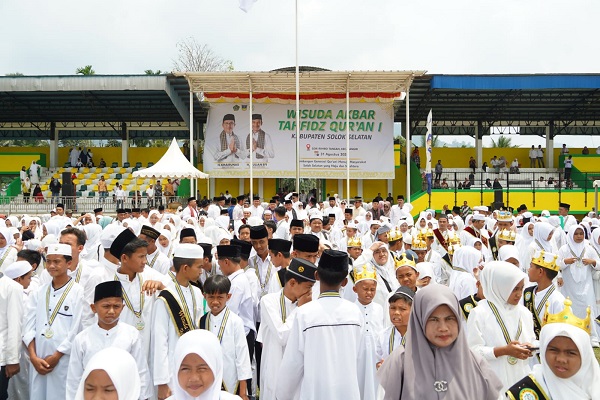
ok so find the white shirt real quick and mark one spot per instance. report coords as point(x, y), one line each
point(82, 275)
point(226, 155)
point(266, 152)
point(321, 356)
point(158, 262)
point(273, 334)
point(257, 211)
point(93, 339)
point(214, 211)
point(238, 212)
point(11, 310)
point(370, 350)
point(462, 284)
point(241, 301)
point(164, 336)
point(236, 358)
point(10, 258)
point(283, 230)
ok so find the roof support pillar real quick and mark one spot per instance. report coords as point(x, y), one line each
point(193, 188)
point(550, 145)
point(479, 144)
point(406, 128)
point(53, 145)
point(125, 140)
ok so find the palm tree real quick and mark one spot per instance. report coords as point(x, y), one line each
point(87, 70)
point(503, 142)
point(150, 72)
point(434, 141)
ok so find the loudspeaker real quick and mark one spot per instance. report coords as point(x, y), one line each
point(497, 206)
point(66, 179)
point(498, 196)
point(68, 189)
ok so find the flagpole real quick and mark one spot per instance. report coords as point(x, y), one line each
point(297, 109)
point(347, 137)
point(407, 133)
point(192, 191)
point(251, 139)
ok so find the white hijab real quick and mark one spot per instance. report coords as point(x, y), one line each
point(578, 270)
point(498, 279)
point(585, 384)
point(10, 240)
point(120, 367)
point(509, 251)
point(206, 345)
point(594, 240)
point(541, 231)
point(164, 249)
point(466, 258)
point(526, 238)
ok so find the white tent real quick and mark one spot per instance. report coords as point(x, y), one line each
point(172, 165)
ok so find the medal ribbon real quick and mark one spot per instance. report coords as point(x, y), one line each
point(282, 306)
point(267, 278)
point(503, 326)
point(78, 275)
point(574, 255)
point(184, 304)
point(52, 317)
point(151, 263)
point(538, 309)
point(329, 294)
point(223, 323)
point(138, 314)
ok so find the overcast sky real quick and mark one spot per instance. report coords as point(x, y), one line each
point(40, 37)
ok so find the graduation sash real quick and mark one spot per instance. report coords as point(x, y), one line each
point(178, 317)
point(467, 304)
point(478, 235)
point(529, 302)
point(527, 388)
point(4, 256)
point(438, 235)
point(493, 247)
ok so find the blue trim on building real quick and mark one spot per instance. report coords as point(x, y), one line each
point(515, 82)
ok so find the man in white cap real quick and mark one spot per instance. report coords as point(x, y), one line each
point(55, 314)
point(477, 230)
point(316, 226)
point(177, 312)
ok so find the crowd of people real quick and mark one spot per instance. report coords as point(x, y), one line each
point(289, 300)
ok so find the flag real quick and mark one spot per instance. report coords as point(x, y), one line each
point(246, 5)
point(428, 142)
point(428, 177)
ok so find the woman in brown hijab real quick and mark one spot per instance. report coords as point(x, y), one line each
point(436, 362)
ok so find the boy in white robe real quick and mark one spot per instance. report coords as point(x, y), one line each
point(53, 319)
point(178, 312)
point(229, 329)
point(107, 332)
point(400, 304)
point(278, 313)
point(365, 286)
point(11, 309)
point(321, 357)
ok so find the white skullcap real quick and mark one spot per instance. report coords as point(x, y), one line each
point(49, 239)
point(17, 269)
point(527, 214)
point(375, 222)
point(33, 244)
point(247, 210)
point(479, 217)
point(108, 235)
point(188, 250)
point(545, 213)
point(407, 238)
point(269, 212)
point(60, 249)
point(352, 225)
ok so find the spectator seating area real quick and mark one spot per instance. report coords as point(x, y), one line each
point(527, 178)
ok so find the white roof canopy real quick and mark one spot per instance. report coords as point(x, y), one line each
point(172, 165)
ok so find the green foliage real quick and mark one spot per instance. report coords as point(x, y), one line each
point(87, 70)
point(113, 143)
point(14, 74)
point(503, 142)
point(150, 72)
point(24, 143)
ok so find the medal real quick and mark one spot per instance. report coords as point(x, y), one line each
point(49, 333)
point(512, 360)
point(140, 325)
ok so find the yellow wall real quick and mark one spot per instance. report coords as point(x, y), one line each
point(589, 163)
point(12, 163)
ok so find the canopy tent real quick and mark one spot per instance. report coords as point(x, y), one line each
point(172, 165)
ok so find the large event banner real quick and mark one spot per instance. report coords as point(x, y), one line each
point(322, 141)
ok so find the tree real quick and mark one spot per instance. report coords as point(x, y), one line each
point(24, 143)
point(434, 141)
point(14, 74)
point(87, 70)
point(503, 142)
point(198, 57)
point(150, 72)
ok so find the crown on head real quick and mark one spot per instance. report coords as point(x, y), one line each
point(546, 260)
point(453, 247)
point(504, 216)
point(427, 233)
point(507, 235)
point(394, 235)
point(566, 316)
point(364, 272)
point(403, 260)
point(354, 242)
point(419, 243)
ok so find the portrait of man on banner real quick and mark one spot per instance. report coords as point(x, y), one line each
point(260, 145)
point(228, 148)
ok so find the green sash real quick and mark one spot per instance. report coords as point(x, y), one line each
point(526, 389)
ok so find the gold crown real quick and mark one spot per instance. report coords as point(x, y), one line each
point(419, 243)
point(394, 235)
point(541, 261)
point(566, 316)
point(404, 261)
point(363, 272)
point(354, 242)
point(427, 233)
point(453, 238)
point(504, 216)
point(508, 235)
point(453, 247)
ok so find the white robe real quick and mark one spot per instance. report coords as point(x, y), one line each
point(462, 284)
point(236, 358)
point(161, 264)
point(66, 325)
point(164, 336)
point(273, 334)
point(11, 310)
point(242, 299)
point(386, 339)
point(370, 349)
point(264, 272)
point(7, 259)
point(484, 333)
point(93, 339)
point(321, 357)
point(82, 275)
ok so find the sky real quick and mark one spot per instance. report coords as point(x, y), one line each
point(40, 37)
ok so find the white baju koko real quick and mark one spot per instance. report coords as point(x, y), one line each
point(82, 275)
point(66, 325)
point(370, 349)
point(91, 340)
point(242, 299)
point(321, 357)
point(274, 332)
point(159, 262)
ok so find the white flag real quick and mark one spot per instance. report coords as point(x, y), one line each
point(429, 142)
point(245, 5)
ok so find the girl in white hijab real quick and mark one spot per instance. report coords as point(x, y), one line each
point(568, 368)
point(154, 220)
point(199, 368)
point(525, 239)
point(462, 278)
point(8, 254)
point(500, 328)
point(542, 240)
point(110, 368)
point(577, 261)
point(436, 362)
point(92, 242)
point(165, 243)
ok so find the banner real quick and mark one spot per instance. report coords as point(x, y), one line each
point(428, 143)
point(322, 141)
